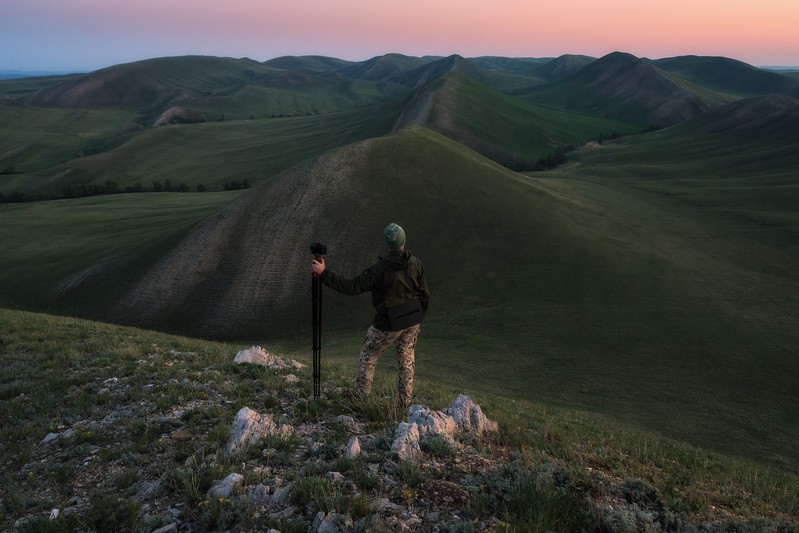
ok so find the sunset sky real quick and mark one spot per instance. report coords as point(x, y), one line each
point(90, 34)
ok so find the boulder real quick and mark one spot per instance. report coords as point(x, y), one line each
point(469, 416)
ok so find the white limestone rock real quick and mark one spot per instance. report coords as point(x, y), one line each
point(353, 448)
point(432, 423)
point(258, 356)
point(469, 416)
point(406, 441)
point(248, 427)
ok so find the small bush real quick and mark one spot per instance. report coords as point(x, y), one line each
point(219, 514)
point(436, 446)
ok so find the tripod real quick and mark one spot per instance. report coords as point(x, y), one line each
point(318, 250)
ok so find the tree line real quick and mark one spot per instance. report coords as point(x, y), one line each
point(84, 190)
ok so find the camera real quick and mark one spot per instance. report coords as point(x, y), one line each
point(318, 249)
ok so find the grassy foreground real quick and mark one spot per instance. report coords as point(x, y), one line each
point(120, 389)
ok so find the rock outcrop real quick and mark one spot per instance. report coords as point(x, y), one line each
point(258, 356)
point(462, 415)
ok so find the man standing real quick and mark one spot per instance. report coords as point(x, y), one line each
point(400, 298)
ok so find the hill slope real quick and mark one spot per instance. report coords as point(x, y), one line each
point(623, 86)
point(589, 295)
point(729, 75)
point(507, 130)
point(129, 430)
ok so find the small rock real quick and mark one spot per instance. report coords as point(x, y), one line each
point(248, 427)
point(174, 513)
point(317, 521)
point(347, 421)
point(54, 514)
point(285, 513)
point(180, 434)
point(148, 489)
point(291, 378)
point(166, 529)
point(259, 494)
point(50, 438)
point(353, 448)
point(385, 505)
point(104, 390)
point(335, 477)
point(280, 495)
point(226, 487)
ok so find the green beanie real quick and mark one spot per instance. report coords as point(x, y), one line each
point(394, 235)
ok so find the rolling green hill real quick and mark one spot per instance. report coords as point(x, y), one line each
point(572, 290)
point(729, 76)
point(623, 86)
point(308, 63)
point(383, 68)
point(507, 130)
point(34, 139)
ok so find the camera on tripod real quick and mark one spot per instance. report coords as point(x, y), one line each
point(318, 249)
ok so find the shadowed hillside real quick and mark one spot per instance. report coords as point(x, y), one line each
point(729, 75)
point(622, 86)
point(508, 131)
point(563, 66)
point(308, 63)
point(150, 84)
point(217, 87)
point(455, 64)
point(383, 68)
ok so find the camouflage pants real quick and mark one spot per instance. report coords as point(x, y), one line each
point(373, 347)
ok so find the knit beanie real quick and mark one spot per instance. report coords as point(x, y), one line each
point(394, 236)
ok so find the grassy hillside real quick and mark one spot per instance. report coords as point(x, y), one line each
point(730, 76)
point(623, 86)
point(570, 291)
point(143, 418)
point(507, 130)
point(33, 139)
point(75, 255)
point(215, 153)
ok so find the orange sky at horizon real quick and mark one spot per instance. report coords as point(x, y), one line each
point(756, 32)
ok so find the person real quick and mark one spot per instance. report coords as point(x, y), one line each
point(396, 282)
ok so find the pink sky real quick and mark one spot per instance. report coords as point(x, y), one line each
point(89, 34)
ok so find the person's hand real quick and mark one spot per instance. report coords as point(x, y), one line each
point(318, 266)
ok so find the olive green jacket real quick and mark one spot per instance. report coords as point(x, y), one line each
point(393, 280)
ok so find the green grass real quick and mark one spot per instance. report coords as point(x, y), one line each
point(212, 153)
point(48, 246)
point(555, 462)
point(34, 139)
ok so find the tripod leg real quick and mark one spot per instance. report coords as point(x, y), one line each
point(316, 288)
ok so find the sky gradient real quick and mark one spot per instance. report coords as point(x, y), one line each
point(90, 34)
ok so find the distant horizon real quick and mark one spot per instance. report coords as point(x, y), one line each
point(6, 73)
point(52, 35)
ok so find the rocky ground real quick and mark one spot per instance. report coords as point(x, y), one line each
point(169, 443)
